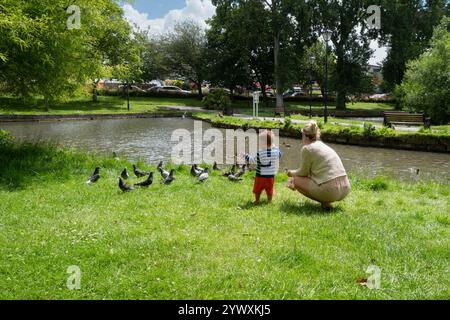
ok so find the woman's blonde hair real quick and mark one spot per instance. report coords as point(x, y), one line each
point(311, 130)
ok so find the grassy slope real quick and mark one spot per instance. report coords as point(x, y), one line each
point(117, 104)
point(335, 126)
point(206, 241)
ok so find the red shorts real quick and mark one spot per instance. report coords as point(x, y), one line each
point(262, 184)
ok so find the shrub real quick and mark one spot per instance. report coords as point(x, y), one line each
point(5, 137)
point(379, 183)
point(218, 100)
point(426, 86)
point(369, 130)
point(288, 123)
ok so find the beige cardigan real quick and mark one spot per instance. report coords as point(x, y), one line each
point(321, 163)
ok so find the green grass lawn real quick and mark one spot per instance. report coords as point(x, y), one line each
point(104, 105)
point(84, 105)
point(206, 241)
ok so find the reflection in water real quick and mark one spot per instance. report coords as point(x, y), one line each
point(150, 140)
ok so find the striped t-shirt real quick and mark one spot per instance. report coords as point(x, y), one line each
point(267, 162)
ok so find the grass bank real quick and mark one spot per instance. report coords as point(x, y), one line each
point(206, 241)
point(113, 104)
point(424, 140)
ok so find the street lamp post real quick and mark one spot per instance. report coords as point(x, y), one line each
point(327, 37)
point(128, 95)
point(312, 60)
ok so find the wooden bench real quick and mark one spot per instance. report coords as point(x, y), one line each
point(404, 118)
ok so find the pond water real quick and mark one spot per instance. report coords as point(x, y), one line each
point(150, 141)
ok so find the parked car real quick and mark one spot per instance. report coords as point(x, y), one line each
point(211, 90)
point(168, 89)
point(132, 88)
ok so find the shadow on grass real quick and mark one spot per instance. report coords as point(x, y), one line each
point(112, 104)
point(307, 209)
point(27, 164)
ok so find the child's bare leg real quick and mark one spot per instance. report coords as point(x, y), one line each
point(257, 198)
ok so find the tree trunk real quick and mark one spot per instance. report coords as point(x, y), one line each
point(199, 88)
point(340, 85)
point(47, 108)
point(279, 94)
point(94, 94)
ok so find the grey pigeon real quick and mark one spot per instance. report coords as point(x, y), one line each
point(195, 171)
point(204, 176)
point(95, 176)
point(233, 178)
point(169, 178)
point(124, 187)
point(138, 172)
point(125, 174)
point(146, 183)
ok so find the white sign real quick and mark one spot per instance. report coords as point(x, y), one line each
point(255, 104)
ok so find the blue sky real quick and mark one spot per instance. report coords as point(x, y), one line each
point(158, 8)
point(159, 16)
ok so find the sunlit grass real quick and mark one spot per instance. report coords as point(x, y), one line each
point(206, 241)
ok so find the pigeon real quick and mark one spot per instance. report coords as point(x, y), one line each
point(146, 183)
point(233, 178)
point(169, 178)
point(195, 172)
point(204, 176)
point(215, 167)
point(160, 165)
point(125, 174)
point(95, 176)
point(184, 115)
point(231, 172)
point(138, 172)
point(241, 172)
point(164, 173)
point(124, 187)
point(199, 168)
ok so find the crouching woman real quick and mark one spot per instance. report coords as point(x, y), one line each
point(321, 176)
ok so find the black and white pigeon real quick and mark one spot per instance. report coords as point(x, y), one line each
point(199, 168)
point(124, 174)
point(95, 176)
point(124, 187)
point(215, 167)
point(195, 171)
point(204, 176)
point(146, 183)
point(169, 178)
point(241, 172)
point(164, 173)
point(233, 178)
point(160, 165)
point(231, 172)
point(138, 172)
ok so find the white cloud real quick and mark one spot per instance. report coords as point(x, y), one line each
point(196, 10)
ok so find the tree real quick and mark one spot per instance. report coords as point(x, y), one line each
point(317, 67)
point(41, 55)
point(290, 22)
point(186, 52)
point(426, 86)
point(153, 60)
point(227, 54)
point(351, 46)
point(407, 27)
